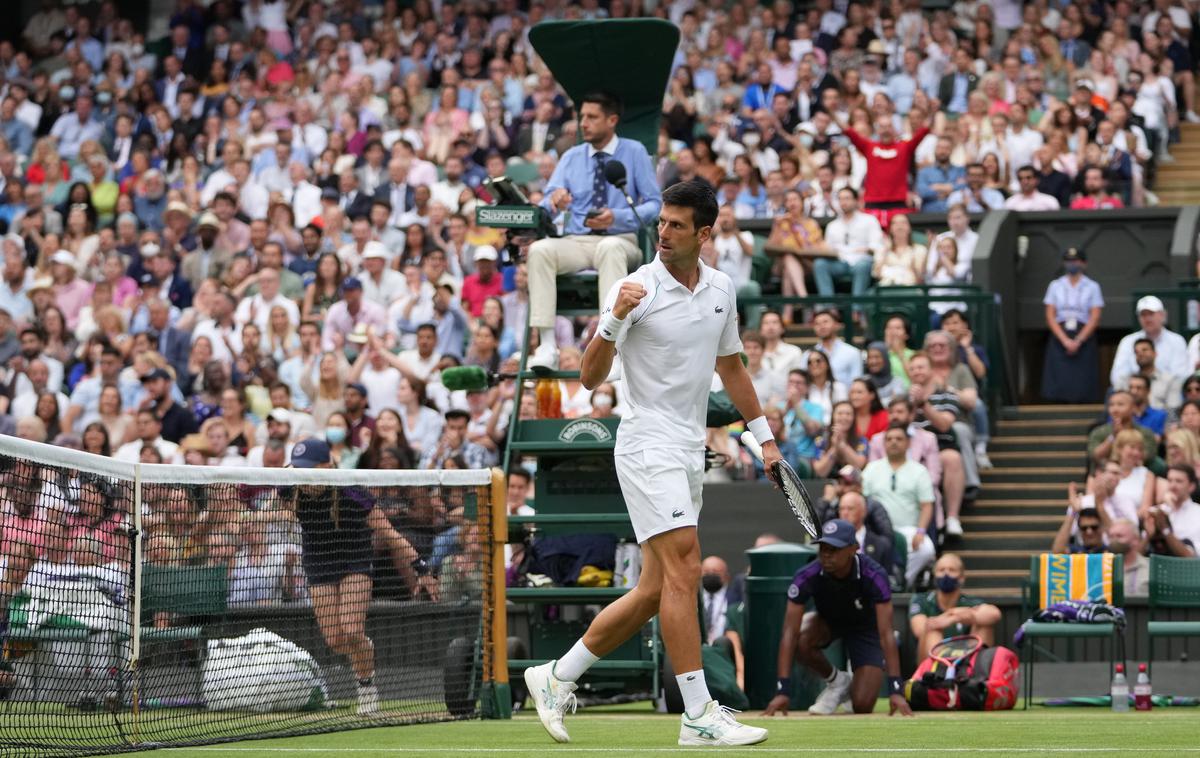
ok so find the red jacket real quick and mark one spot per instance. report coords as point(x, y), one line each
point(887, 166)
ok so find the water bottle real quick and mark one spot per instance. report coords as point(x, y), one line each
point(1142, 690)
point(1120, 690)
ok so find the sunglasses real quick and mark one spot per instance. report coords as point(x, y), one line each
point(1089, 528)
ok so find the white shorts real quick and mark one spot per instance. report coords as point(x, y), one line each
point(662, 489)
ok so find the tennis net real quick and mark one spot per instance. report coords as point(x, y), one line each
point(153, 605)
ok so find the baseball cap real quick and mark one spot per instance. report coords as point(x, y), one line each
point(849, 474)
point(486, 253)
point(376, 250)
point(837, 532)
point(149, 280)
point(310, 452)
point(1074, 254)
point(281, 415)
point(351, 283)
point(149, 250)
point(1150, 303)
point(157, 373)
point(357, 387)
point(330, 193)
point(176, 206)
point(208, 218)
point(65, 257)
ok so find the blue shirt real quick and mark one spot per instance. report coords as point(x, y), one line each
point(935, 174)
point(18, 134)
point(843, 604)
point(1153, 419)
point(577, 171)
point(958, 100)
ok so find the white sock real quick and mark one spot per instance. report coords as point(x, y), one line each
point(548, 336)
point(573, 665)
point(695, 692)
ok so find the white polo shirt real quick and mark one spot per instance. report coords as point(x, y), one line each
point(1185, 523)
point(668, 354)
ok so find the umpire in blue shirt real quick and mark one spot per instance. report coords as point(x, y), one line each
point(853, 603)
point(601, 229)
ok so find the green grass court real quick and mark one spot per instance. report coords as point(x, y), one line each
point(634, 731)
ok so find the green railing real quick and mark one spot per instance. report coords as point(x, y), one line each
point(1182, 304)
point(983, 308)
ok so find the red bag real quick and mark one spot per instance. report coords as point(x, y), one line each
point(961, 673)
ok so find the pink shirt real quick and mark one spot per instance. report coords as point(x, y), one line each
point(71, 297)
point(125, 288)
point(475, 291)
point(922, 448)
point(339, 320)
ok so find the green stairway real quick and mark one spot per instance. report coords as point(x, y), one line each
point(1037, 451)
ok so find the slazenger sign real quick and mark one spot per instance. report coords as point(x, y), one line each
point(584, 427)
point(496, 216)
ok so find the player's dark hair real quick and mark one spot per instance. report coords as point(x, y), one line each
point(696, 195)
point(1092, 512)
point(608, 102)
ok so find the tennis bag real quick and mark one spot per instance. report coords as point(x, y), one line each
point(963, 674)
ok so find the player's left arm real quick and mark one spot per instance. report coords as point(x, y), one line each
point(891, 656)
point(740, 389)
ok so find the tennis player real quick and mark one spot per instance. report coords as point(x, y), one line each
point(335, 528)
point(672, 321)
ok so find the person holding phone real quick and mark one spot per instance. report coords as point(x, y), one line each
point(600, 228)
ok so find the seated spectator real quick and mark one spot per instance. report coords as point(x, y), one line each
point(263, 571)
point(1166, 390)
point(946, 611)
point(714, 598)
point(874, 538)
point(1173, 526)
point(485, 282)
point(803, 418)
point(350, 314)
point(870, 417)
point(149, 434)
point(1095, 194)
point(976, 196)
point(845, 360)
point(853, 603)
point(1145, 414)
point(902, 262)
point(857, 238)
point(793, 230)
point(766, 382)
point(1171, 349)
point(939, 180)
point(578, 185)
point(1101, 440)
point(939, 409)
point(906, 491)
point(454, 443)
point(732, 251)
point(779, 356)
point(879, 372)
point(840, 445)
point(1125, 540)
point(823, 389)
point(1030, 198)
point(1088, 524)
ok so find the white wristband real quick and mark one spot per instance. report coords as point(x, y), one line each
point(611, 327)
point(761, 430)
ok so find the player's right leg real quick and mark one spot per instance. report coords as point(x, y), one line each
point(552, 685)
point(815, 636)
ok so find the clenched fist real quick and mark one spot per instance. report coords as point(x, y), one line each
point(630, 294)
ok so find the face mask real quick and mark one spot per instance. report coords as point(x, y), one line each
point(946, 583)
point(750, 140)
point(137, 50)
point(335, 435)
point(602, 401)
point(1073, 267)
point(712, 583)
point(806, 140)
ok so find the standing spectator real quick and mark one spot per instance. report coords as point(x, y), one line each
point(1074, 302)
point(886, 185)
point(1171, 349)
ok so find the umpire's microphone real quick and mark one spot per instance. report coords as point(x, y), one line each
point(470, 378)
point(614, 174)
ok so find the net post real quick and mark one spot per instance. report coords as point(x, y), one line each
point(135, 625)
point(495, 697)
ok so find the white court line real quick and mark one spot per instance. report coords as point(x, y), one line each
point(756, 749)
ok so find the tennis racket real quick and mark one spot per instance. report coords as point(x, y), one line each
point(952, 651)
point(793, 490)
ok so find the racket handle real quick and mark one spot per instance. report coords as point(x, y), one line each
point(752, 444)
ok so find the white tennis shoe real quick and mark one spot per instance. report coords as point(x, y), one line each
point(552, 697)
point(835, 695)
point(368, 700)
point(717, 726)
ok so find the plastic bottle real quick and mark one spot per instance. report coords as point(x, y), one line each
point(1120, 690)
point(555, 399)
point(542, 392)
point(1142, 691)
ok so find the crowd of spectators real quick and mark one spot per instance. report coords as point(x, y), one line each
point(260, 226)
